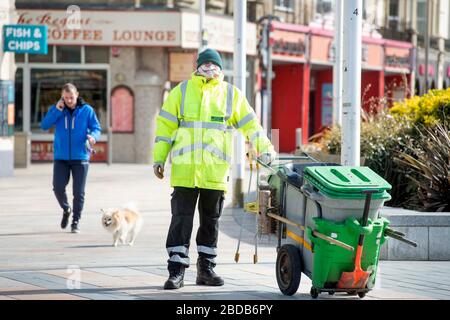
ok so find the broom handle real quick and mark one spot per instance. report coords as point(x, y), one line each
point(365, 213)
point(315, 233)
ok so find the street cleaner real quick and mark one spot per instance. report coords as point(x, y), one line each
point(196, 123)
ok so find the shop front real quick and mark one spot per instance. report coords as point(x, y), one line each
point(303, 83)
point(398, 62)
point(432, 69)
point(123, 63)
point(290, 99)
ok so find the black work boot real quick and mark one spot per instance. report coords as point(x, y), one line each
point(75, 226)
point(176, 277)
point(65, 218)
point(205, 273)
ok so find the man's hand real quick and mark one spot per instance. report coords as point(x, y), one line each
point(91, 140)
point(158, 169)
point(60, 105)
point(267, 158)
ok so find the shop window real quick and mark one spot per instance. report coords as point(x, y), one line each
point(42, 58)
point(18, 100)
point(323, 6)
point(153, 3)
point(421, 17)
point(68, 54)
point(393, 18)
point(46, 87)
point(284, 5)
point(227, 63)
point(96, 54)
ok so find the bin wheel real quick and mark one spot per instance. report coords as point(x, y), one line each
point(331, 293)
point(314, 292)
point(288, 269)
point(361, 294)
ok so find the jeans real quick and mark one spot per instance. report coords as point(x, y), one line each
point(61, 176)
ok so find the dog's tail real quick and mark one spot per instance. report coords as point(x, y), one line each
point(132, 206)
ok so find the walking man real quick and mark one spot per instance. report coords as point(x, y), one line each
point(76, 130)
point(196, 123)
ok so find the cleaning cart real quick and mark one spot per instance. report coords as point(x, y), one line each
point(328, 226)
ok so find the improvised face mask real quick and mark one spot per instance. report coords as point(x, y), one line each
point(209, 70)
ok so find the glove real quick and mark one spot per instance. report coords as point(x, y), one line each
point(267, 158)
point(158, 169)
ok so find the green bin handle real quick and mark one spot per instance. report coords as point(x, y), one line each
point(355, 227)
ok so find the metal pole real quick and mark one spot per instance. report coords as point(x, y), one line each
point(239, 73)
point(427, 43)
point(413, 11)
point(338, 65)
point(269, 76)
point(442, 31)
point(264, 105)
point(201, 26)
point(350, 154)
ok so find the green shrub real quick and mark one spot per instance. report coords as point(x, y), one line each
point(409, 146)
point(430, 163)
point(430, 109)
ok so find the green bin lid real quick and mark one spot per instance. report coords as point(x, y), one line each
point(347, 180)
point(346, 195)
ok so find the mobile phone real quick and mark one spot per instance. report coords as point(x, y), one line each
point(62, 100)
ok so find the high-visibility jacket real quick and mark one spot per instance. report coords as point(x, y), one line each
point(196, 122)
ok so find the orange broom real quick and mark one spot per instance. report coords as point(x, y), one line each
point(358, 278)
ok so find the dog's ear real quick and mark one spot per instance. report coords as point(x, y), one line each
point(102, 211)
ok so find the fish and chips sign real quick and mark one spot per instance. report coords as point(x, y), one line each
point(31, 39)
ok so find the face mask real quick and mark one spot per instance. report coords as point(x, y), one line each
point(209, 71)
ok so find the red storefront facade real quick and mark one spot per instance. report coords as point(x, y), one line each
point(303, 85)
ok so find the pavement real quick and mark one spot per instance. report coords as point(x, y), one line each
point(39, 261)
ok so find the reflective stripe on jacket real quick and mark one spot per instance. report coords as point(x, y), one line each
point(196, 123)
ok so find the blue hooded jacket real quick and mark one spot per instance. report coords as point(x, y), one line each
point(71, 130)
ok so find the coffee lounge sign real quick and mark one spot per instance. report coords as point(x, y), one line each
point(107, 27)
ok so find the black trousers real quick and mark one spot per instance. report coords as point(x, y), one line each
point(210, 206)
point(61, 175)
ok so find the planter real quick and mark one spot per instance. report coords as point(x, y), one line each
point(430, 230)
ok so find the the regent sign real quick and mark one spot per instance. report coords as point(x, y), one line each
point(107, 28)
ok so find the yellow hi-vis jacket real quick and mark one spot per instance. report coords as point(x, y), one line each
point(196, 123)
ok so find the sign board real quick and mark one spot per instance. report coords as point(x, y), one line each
point(131, 28)
point(102, 28)
point(42, 151)
point(6, 107)
point(289, 44)
point(181, 65)
point(327, 104)
point(397, 58)
point(22, 38)
point(220, 33)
